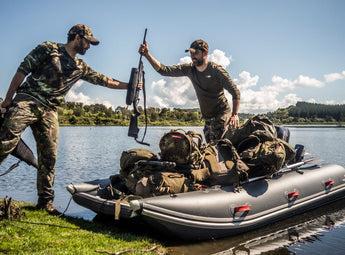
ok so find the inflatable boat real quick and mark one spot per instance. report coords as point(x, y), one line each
point(219, 211)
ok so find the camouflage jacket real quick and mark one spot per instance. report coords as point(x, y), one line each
point(53, 72)
point(209, 86)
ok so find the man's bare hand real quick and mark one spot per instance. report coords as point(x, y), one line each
point(144, 49)
point(234, 121)
point(5, 105)
point(140, 85)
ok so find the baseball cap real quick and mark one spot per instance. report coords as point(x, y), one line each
point(198, 45)
point(85, 32)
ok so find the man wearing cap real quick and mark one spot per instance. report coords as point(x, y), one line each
point(50, 69)
point(209, 81)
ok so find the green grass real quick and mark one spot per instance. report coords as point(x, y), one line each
point(41, 233)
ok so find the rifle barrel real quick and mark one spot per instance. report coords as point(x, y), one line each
point(141, 55)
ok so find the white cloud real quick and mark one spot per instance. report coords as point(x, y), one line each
point(73, 96)
point(255, 99)
point(280, 84)
point(245, 81)
point(330, 102)
point(173, 92)
point(219, 57)
point(179, 92)
point(334, 76)
point(270, 97)
point(305, 81)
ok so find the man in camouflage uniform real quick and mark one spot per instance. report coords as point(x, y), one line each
point(50, 69)
point(209, 81)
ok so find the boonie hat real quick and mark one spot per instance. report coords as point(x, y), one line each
point(85, 32)
point(198, 45)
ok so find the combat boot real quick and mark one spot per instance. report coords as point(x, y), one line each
point(48, 206)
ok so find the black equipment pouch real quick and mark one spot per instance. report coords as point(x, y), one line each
point(131, 90)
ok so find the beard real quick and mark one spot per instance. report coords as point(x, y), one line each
point(80, 49)
point(198, 62)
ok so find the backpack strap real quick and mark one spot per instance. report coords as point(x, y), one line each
point(196, 135)
point(211, 159)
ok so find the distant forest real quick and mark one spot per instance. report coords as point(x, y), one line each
point(71, 113)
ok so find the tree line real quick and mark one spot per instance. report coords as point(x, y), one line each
point(309, 113)
point(71, 113)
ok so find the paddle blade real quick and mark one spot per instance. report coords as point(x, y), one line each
point(24, 153)
point(133, 130)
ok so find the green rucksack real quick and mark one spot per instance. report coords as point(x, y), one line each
point(148, 181)
point(180, 146)
point(259, 125)
point(130, 157)
point(226, 166)
point(265, 158)
point(163, 183)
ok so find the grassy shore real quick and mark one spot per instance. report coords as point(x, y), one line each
point(40, 233)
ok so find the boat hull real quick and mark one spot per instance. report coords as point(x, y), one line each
point(219, 211)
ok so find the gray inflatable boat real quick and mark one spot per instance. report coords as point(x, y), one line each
point(218, 211)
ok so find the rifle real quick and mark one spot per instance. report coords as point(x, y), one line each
point(137, 74)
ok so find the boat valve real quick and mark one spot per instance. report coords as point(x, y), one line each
point(293, 194)
point(242, 208)
point(329, 183)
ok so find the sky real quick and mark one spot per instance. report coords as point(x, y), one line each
point(277, 52)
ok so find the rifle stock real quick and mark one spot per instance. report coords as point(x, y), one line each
point(133, 129)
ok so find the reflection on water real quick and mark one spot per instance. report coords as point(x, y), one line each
point(300, 234)
point(87, 153)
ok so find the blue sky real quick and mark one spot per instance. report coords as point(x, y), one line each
point(277, 52)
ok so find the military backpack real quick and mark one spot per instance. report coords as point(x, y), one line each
point(130, 157)
point(182, 147)
point(267, 157)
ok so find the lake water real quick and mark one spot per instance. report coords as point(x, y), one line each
point(87, 153)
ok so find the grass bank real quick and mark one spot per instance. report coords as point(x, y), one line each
point(40, 233)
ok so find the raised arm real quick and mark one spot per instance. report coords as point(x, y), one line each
point(144, 49)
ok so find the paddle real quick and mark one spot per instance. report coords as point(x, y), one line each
point(21, 151)
point(311, 160)
point(294, 166)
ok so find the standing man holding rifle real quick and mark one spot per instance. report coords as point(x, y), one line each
point(209, 81)
point(50, 70)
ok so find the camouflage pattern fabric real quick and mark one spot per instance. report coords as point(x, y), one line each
point(53, 73)
point(85, 32)
point(215, 127)
point(44, 124)
point(198, 45)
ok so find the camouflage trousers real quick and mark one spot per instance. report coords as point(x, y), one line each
point(45, 127)
point(215, 127)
